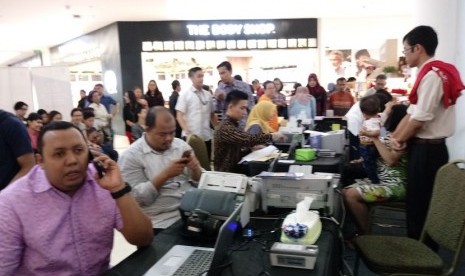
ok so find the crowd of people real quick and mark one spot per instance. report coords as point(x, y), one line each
point(52, 166)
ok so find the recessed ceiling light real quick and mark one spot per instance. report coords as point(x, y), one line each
point(76, 16)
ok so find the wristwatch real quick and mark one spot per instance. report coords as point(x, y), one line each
point(122, 192)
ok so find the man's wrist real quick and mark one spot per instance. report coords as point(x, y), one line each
point(121, 191)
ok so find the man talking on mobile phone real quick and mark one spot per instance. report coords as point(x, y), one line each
point(59, 218)
point(160, 169)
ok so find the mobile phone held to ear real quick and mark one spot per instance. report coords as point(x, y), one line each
point(100, 169)
point(97, 165)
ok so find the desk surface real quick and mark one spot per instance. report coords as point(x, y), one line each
point(251, 258)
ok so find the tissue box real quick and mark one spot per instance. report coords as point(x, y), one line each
point(292, 231)
point(305, 154)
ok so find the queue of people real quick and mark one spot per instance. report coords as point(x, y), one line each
point(69, 210)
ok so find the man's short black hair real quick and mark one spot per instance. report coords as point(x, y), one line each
point(88, 114)
point(235, 96)
point(370, 105)
point(425, 36)
point(33, 117)
point(225, 64)
point(351, 79)
point(19, 105)
point(381, 77)
point(341, 79)
point(151, 118)
point(193, 70)
point(175, 84)
point(41, 112)
point(74, 110)
point(55, 125)
point(99, 85)
point(238, 77)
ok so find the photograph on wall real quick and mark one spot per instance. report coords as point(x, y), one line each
point(363, 64)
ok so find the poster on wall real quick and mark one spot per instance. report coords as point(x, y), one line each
point(363, 64)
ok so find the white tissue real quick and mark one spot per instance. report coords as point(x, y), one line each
point(302, 209)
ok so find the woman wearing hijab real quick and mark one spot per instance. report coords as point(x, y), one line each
point(259, 118)
point(317, 91)
point(302, 103)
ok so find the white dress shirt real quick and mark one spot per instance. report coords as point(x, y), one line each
point(439, 121)
point(197, 107)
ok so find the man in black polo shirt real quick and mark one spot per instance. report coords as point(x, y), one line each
point(17, 157)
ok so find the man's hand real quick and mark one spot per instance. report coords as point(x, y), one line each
point(112, 180)
point(258, 147)
point(176, 167)
point(397, 145)
point(220, 96)
point(279, 137)
point(192, 162)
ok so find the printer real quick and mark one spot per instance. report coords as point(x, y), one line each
point(334, 140)
point(243, 187)
point(287, 192)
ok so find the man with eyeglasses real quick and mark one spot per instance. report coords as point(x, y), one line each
point(430, 120)
point(21, 111)
point(77, 118)
point(160, 168)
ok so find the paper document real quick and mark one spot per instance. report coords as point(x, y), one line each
point(258, 154)
point(281, 175)
point(315, 133)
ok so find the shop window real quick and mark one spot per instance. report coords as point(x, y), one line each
point(95, 77)
point(292, 43)
point(189, 45)
point(83, 77)
point(261, 43)
point(252, 44)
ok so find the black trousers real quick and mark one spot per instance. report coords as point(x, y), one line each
point(208, 144)
point(424, 160)
point(354, 143)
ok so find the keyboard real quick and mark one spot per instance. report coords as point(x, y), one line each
point(199, 261)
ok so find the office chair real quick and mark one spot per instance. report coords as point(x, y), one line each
point(445, 224)
point(392, 214)
point(200, 150)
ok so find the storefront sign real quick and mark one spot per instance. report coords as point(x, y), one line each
point(230, 29)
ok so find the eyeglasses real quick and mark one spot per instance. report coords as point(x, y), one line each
point(405, 51)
